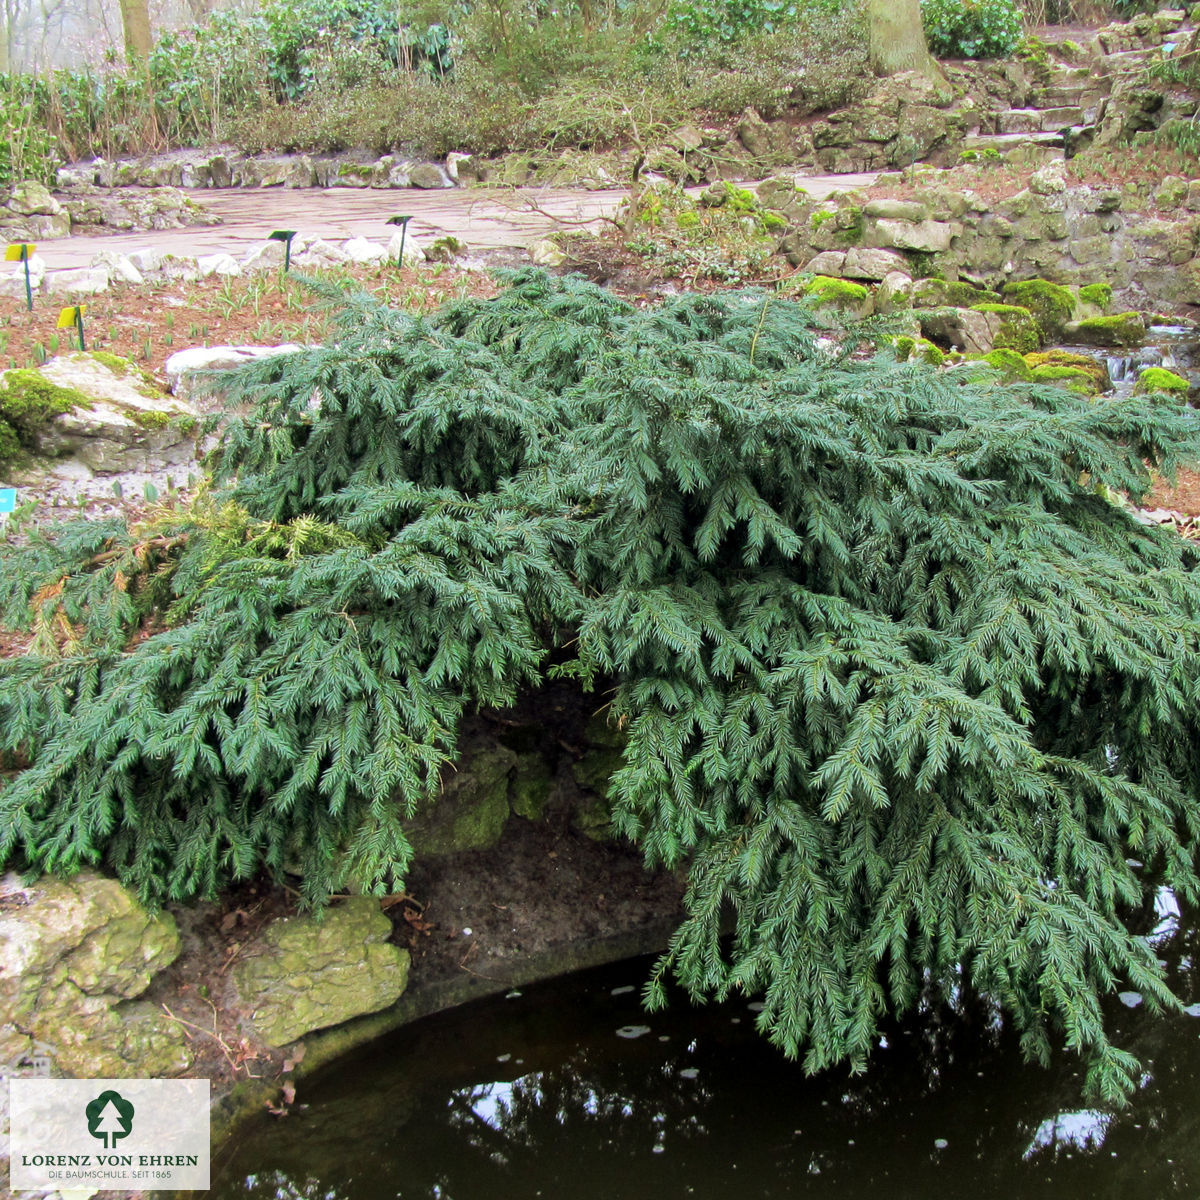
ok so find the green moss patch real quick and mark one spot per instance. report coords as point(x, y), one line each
point(941, 293)
point(1159, 379)
point(1099, 294)
point(1019, 328)
point(1081, 364)
point(1120, 329)
point(1074, 378)
point(27, 401)
point(828, 292)
point(1012, 367)
point(1052, 306)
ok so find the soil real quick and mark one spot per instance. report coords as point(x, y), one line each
point(543, 888)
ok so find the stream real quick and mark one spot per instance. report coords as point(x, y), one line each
point(572, 1091)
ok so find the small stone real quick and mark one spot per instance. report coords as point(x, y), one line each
point(269, 256)
point(828, 262)
point(76, 281)
point(362, 251)
point(429, 176)
point(1049, 181)
point(547, 253)
point(929, 236)
point(872, 264)
point(30, 198)
point(414, 256)
point(120, 267)
point(218, 264)
point(897, 210)
point(1172, 192)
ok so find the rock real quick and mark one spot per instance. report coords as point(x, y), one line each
point(267, 256)
point(444, 249)
point(1119, 330)
point(429, 175)
point(463, 168)
point(354, 175)
point(944, 293)
point(118, 421)
point(307, 973)
point(193, 372)
point(12, 283)
point(224, 265)
point(473, 808)
point(547, 253)
point(180, 266)
point(361, 251)
point(894, 293)
point(897, 210)
point(828, 262)
point(120, 267)
point(960, 328)
point(1158, 379)
point(851, 299)
point(929, 236)
point(414, 256)
point(76, 281)
point(865, 263)
point(220, 174)
point(148, 261)
point(283, 170)
point(1052, 305)
point(316, 252)
point(1049, 181)
point(30, 198)
point(1172, 192)
point(755, 134)
point(74, 955)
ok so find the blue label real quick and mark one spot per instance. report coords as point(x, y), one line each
point(8, 499)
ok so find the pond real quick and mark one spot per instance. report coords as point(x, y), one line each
point(571, 1090)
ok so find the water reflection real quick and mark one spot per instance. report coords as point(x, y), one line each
point(542, 1096)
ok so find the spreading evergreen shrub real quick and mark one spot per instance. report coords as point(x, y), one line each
point(972, 28)
point(903, 690)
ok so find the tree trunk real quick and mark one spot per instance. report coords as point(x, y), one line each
point(897, 39)
point(135, 20)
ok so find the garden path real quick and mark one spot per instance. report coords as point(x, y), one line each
point(483, 218)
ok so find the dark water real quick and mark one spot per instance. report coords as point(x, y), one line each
point(572, 1091)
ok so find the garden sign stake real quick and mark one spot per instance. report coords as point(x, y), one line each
point(285, 236)
point(22, 252)
point(401, 219)
point(73, 316)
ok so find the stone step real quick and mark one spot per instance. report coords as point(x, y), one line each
point(1129, 60)
point(1019, 120)
point(1053, 119)
point(1003, 142)
point(1059, 97)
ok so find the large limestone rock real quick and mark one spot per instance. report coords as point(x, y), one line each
point(310, 973)
point(74, 957)
point(928, 236)
point(960, 328)
point(196, 372)
point(118, 421)
point(30, 198)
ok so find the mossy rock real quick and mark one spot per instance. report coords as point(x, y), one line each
point(1019, 329)
point(311, 973)
point(1078, 366)
point(910, 349)
point(28, 401)
point(1160, 380)
point(827, 292)
point(1072, 378)
point(942, 293)
point(1011, 366)
point(1120, 330)
point(1097, 294)
point(473, 808)
point(1052, 305)
point(529, 792)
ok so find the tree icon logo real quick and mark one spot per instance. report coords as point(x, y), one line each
point(109, 1117)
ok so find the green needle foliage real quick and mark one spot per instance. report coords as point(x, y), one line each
point(903, 689)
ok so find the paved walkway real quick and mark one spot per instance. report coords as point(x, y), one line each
point(483, 218)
